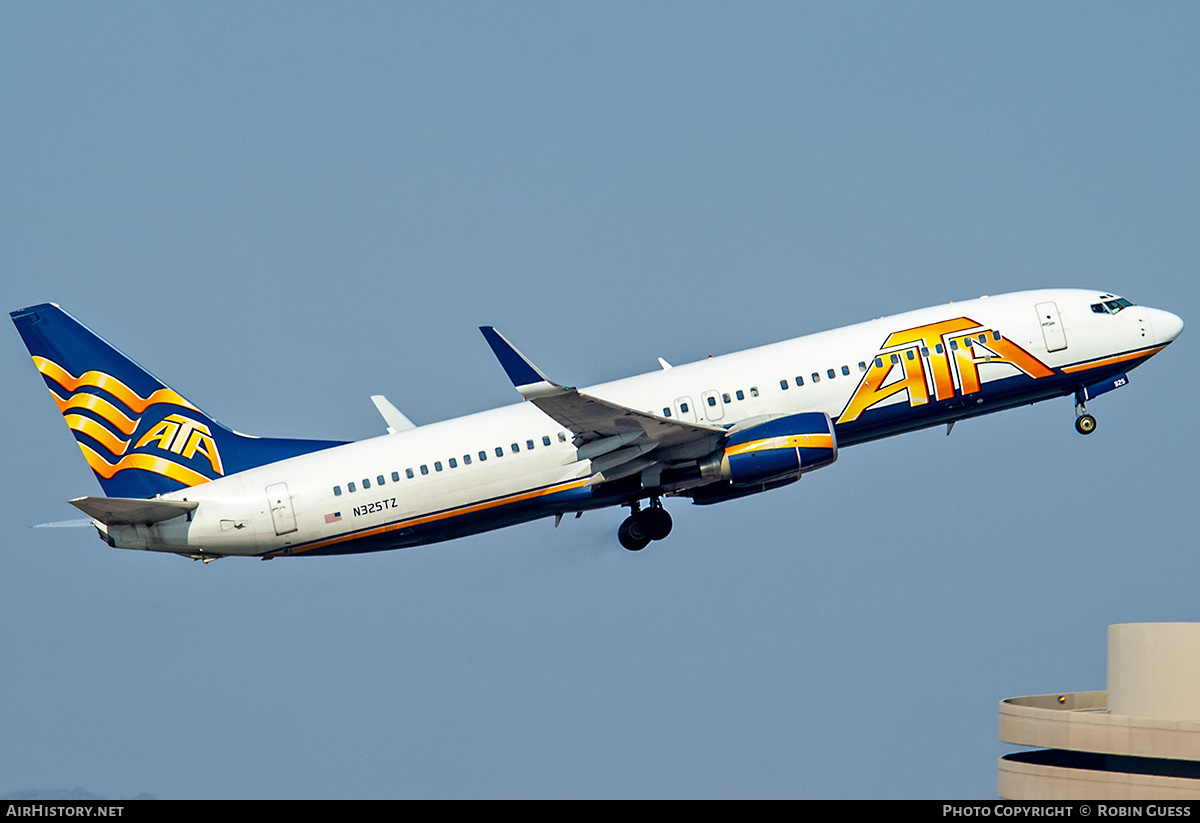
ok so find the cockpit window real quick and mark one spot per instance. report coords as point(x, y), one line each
point(1111, 306)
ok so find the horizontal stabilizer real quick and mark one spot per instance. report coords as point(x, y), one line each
point(130, 511)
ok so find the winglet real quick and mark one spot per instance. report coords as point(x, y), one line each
point(525, 376)
point(394, 418)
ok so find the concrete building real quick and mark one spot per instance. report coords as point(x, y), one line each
point(1139, 740)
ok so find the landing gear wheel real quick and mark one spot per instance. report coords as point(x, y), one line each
point(1085, 424)
point(632, 535)
point(656, 523)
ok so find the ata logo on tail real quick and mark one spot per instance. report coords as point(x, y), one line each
point(938, 361)
point(108, 426)
point(184, 436)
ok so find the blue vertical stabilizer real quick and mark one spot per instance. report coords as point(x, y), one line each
point(138, 435)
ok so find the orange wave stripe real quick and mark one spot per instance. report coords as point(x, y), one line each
point(110, 384)
point(97, 404)
point(88, 426)
point(145, 462)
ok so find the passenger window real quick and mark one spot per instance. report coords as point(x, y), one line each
point(712, 401)
point(741, 395)
point(783, 384)
point(366, 484)
point(879, 362)
point(832, 374)
point(816, 378)
point(909, 354)
point(939, 349)
point(666, 412)
point(996, 336)
point(799, 381)
point(395, 477)
point(683, 407)
point(351, 487)
point(466, 459)
point(499, 451)
point(924, 351)
point(453, 463)
point(545, 440)
point(437, 465)
point(845, 370)
point(337, 491)
point(895, 359)
point(482, 456)
point(379, 480)
point(424, 469)
point(862, 365)
point(754, 391)
point(408, 473)
point(725, 397)
point(529, 445)
point(562, 436)
point(953, 345)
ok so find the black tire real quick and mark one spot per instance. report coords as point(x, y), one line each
point(655, 522)
point(631, 536)
point(1085, 424)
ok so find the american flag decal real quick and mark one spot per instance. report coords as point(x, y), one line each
point(333, 518)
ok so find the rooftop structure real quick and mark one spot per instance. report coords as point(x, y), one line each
point(1138, 740)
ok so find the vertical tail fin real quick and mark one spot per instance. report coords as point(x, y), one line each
point(139, 436)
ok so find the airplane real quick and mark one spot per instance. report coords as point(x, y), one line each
point(175, 480)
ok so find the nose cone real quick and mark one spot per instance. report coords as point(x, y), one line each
point(1167, 326)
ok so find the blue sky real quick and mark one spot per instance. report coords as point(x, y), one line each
point(283, 208)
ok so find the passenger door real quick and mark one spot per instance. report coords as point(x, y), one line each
point(1052, 328)
point(280, 502)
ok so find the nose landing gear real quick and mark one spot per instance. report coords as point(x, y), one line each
point(644, 525)
point(1084, 422)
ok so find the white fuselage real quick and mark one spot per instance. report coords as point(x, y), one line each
point(516, 463)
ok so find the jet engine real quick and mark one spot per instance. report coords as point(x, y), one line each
point(767, 456)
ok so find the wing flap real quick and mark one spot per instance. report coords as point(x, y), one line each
point(592, 418)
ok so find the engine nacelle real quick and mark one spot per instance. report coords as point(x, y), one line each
point(779, 449)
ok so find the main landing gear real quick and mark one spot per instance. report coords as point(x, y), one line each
point(1084, 422)
point(644, 525)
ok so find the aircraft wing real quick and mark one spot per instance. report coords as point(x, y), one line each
point(592, 418)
